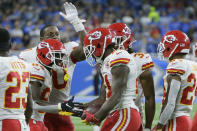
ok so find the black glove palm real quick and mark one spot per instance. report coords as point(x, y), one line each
point(75, 107)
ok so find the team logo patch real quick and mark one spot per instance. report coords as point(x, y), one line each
point(43, 45)
point(95, 35)
point(169, 38)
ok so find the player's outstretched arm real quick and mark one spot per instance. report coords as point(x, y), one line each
point(71, 15)
point(66, 108)
point(174, 83)
point(147, 83)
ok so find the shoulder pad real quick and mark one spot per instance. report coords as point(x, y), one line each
point(176, 66)
point(120, 57)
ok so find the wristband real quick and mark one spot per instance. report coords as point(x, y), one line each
point(77, 24)
point(59, 108)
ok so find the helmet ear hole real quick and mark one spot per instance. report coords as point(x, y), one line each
point(98, 46)
point(43, 56)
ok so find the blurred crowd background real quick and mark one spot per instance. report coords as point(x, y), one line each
point(148, 19)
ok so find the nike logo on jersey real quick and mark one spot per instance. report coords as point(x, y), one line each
point(37, 68)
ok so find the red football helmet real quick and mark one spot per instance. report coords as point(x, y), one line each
point(124, 36)
point(50, 53)
point(95, 43)
point(174, 42)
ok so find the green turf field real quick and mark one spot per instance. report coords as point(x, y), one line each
point(82, 127)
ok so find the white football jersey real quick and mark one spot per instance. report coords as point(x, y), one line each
point(61, 89)
point(14, 81)
point(187, 70)
point(119, 57)
point(143, 62)
point(39, 73)
point(29, 55)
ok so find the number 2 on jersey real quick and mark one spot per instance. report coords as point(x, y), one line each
point(11, 90)
point(189, 89)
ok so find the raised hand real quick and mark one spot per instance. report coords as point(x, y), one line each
point(71, 12)
point(71, 15)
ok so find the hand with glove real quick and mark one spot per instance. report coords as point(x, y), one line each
point(89, 118)
point(72, 16)
point(71, 108)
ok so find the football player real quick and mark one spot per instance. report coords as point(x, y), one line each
point(50, 54)
point(74, 52)
point(124, 39)
point(179, 83)
point(15, 99)
point(117, 71)
point(195, 51)
point(194, 122)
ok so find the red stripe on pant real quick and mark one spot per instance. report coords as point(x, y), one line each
point(183, 123)
point(134, 123)
point(124, 119)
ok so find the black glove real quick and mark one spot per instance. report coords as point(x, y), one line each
point(75, 107)
point(77, 112)
point(68, 105)
point(78, 105)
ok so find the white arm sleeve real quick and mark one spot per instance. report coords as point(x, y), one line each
point(46, 108)
point(168, 110)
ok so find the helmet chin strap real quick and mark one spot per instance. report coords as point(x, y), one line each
point(121, 45)
point(173, 50)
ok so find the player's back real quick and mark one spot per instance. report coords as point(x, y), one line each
point(14, 80)
point(143, 62)
point(119, 57)
point(187, 70)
